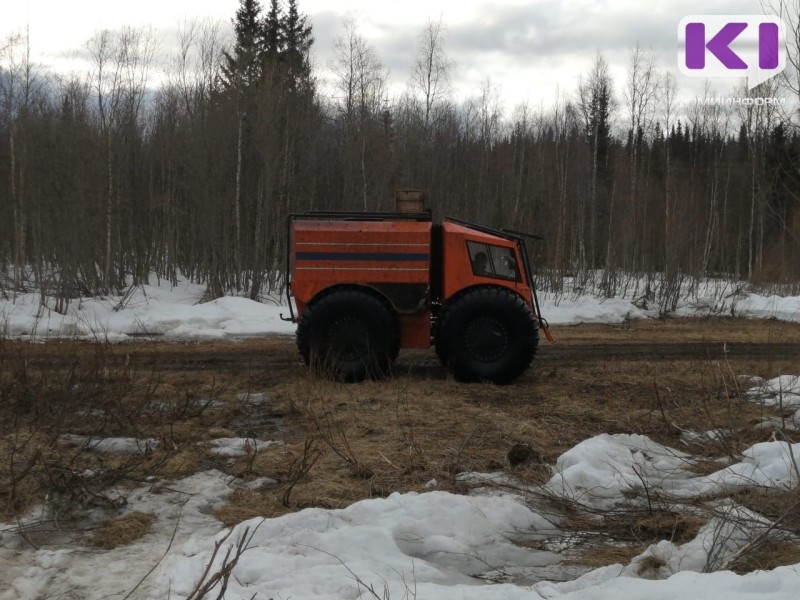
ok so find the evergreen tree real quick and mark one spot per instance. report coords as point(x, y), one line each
point(595, 105)
point(274, 37)
point(299, 39)
point(742, 142)
point(241, 68)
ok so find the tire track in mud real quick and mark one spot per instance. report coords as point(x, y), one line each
point(283, 354)
point(280, 352)
point(632, 351)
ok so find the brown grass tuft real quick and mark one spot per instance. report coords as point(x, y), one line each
point(123, 531)
point(603, 555)
point(244, 504)
point(769, 555)
point(649, 564)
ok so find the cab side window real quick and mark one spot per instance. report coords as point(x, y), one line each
point(479, 257)
point(492, 261)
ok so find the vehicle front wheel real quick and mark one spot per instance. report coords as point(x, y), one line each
point(487, 334)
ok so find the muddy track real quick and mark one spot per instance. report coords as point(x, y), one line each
point(252, 359)
point(670, 351)
point(650, 341)
point(282, 354)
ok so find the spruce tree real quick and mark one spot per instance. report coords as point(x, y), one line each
point(299, 40)
point(242, 67)
point(273, 31)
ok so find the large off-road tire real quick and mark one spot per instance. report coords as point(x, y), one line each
point(348, 335)
point(487, 334)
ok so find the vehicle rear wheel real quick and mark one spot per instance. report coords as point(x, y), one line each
point(487, 334)
point(348, 335)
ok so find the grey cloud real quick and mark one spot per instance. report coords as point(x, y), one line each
point(545, 34)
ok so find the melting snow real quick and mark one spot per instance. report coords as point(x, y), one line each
point(234, 447)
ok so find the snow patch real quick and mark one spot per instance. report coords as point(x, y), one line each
point(601, 471)
point(235, 447)
point(781, 391)
point(113, 445)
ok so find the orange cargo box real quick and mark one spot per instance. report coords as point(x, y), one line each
point(325, 253)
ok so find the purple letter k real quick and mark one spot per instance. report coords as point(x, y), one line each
point(718, 45)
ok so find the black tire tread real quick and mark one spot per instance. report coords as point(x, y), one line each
point(505, 305)
point(358, 302)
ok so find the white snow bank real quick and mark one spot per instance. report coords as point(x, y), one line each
point(432, 541)
point(770, 307)
point(162, 310)
point(601, 471)
point(428, 545)
point(175, 312)
point(589, 309)
point(607, 584)
point(586, 303)
point(765, 465)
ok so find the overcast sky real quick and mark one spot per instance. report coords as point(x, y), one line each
point(529, 48)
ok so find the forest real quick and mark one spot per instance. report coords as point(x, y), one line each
point(135, 169)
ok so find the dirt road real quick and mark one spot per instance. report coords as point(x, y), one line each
point(670, 340)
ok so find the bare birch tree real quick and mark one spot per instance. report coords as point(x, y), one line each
point(667, 108)
point(639, 97)
point(360, 80)
point(430, 74)
point(18, 89)
point(9, 85)
point(121, 62)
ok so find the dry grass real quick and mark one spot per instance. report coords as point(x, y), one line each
point(123, 531)
point(649, 564)
point(638, 527)
point(707, 329)
point(769, 555)
point(602, 555)
point(72, 388)
point(774, 504)
point(245, 504)
point(373, 438)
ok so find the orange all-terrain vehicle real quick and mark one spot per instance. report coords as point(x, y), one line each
point(368, 284)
